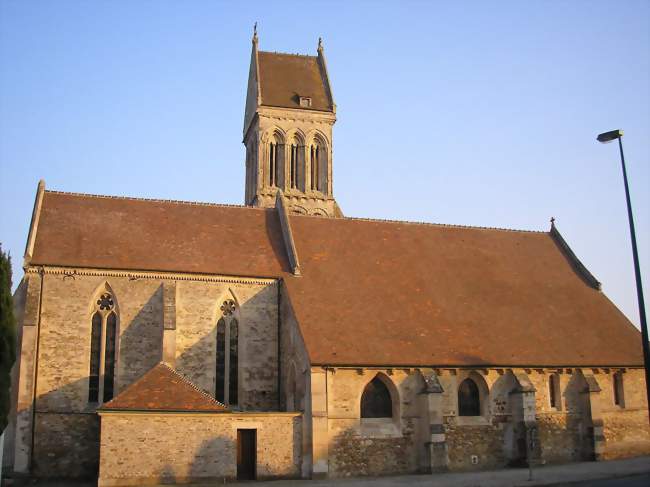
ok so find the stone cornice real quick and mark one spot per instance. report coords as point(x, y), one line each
point(72, 272)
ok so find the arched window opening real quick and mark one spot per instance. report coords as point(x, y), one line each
point(273, 164)
point(554, 391)
point(95, 351)
point(227, 373)
point(109, 354)
point(104, 335)
point(315, 167)
point(469, 400)
point(619, 393)
point(376, 401)
point(221, 361)
point(294, 166)
point(234, 369)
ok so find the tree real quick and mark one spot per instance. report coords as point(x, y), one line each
point(7, 337)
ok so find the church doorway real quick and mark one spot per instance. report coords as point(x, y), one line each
point(246, 454)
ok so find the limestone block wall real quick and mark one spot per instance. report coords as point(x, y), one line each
point(359, 446)
point(151, 448)
point(626, 429)
point(295, 381)
point(54, 355)
point(197, 312)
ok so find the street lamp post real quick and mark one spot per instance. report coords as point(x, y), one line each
point(609, 137)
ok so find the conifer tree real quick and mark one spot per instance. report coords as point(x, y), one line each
point(7, 337)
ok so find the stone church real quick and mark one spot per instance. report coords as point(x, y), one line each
point(172, 341)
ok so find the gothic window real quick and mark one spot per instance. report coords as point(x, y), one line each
point(273, 164)
point(554, 391)
point(227, 373)
point(221, 360)
point(376, 401)
point(95, 352)
point(314, 157)
point(232, 386)
point(619, 396)
point(469, 400)
point(294, 166)
point(103, 337)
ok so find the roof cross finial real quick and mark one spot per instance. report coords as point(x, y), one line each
point(552, 221)
point(255, 32)
point(320, 43)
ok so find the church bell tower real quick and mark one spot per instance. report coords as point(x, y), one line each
point(288, 124)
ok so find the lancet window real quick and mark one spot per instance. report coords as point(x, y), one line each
point(227, 348)
point(376, 401)
point(314, 158)
point(469, 399)
point(293, 169)
point(103, 349)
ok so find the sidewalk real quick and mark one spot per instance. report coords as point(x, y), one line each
point(547, 475)
point(558, 475)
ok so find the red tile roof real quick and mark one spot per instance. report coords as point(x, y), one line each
point(389, 293)
point(286, 77)
point(128, 233)
point(371, 292)
point(162, 389)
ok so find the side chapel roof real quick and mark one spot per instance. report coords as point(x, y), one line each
point(371, 292)
point(163, 389)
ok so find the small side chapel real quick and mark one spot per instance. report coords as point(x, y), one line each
point(307, 344)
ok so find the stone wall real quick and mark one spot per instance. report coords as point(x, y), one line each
point(151, 448)
point(67, 445)
point(585, 424)
point(359, 446)
point(63, 327)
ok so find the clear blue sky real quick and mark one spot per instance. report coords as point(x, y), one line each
point(472, 113)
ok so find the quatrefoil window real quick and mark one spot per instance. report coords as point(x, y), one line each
point(105, 302)
point(228, 307)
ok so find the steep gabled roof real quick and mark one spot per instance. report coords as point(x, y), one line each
point(162, 389)
point(371, 292)
point(397, 293)
point(127, 233)
point(284, 78)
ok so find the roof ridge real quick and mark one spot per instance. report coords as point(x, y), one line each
point(158, 200)
point(192, 384)
point(433, 224)
point(288, 54)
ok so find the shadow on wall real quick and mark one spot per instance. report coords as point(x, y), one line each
point(258, 362)
point(140, 346)
point(66, 429)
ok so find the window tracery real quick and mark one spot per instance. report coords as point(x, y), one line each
point(227, 355)
point(104, 335)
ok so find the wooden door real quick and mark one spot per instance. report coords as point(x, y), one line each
point(246, 454)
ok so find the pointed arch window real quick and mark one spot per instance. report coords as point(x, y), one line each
point(227, 351)
point(554, 391)
point(376, 401)
point(294, 165)
point(275, 160)
point(619, 392)
point(104, 335)
point(469, 399)
point(314, 158)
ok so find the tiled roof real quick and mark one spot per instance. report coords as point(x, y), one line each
point(371, 292)
point(127, 233)
point(162, 389)
point(388, 293)
point(286, 77)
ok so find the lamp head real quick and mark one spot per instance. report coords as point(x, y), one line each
point(610, 136)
